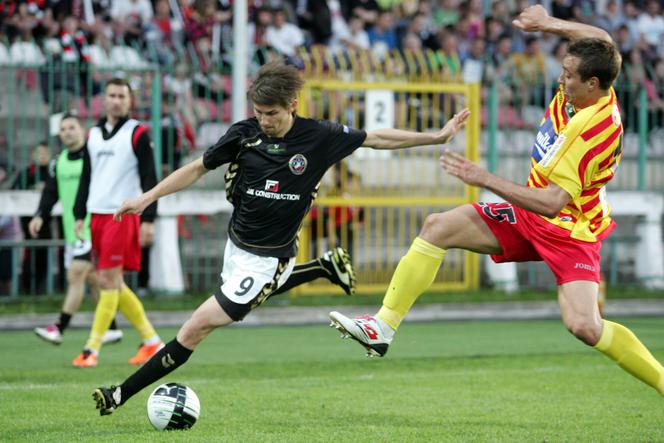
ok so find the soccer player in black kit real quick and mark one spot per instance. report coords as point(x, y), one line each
point(277, 160)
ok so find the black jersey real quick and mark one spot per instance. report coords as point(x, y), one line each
point(272, 182)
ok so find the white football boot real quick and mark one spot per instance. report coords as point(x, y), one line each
point(112, 336)
point(367, 330)
point(50, 333)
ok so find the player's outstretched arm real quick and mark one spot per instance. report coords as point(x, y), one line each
point(537, 19)
point(547, 201)
point(178, 180)
point(398, 139)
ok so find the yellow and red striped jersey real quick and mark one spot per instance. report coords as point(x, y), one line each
point(579, 151)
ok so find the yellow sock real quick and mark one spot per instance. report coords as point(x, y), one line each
point(621, 345)
point(414, 274)
point(104, 313)
point(132, 308)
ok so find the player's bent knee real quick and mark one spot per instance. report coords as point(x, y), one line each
point(434, 229)
point(193, 332)
point(586, 331)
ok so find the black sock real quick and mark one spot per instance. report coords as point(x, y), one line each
point(304, 273)
point(63, 323)
point(113, 326)
point(170, 357)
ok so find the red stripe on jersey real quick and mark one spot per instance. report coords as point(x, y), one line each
point(536, 179)
point(602, 180)
point(556, 117)
point(589, 205)
point(138, 131)
point(608, 161)
point(583, 164)
point(589, 192)
point(599, 127)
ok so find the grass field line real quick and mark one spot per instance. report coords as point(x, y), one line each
point(325, 379)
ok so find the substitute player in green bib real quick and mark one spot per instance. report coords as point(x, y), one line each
point(62, 185)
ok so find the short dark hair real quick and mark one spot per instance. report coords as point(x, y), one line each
point(597, 58)
point(117, 81)
point(72, 114)
point(276, 84)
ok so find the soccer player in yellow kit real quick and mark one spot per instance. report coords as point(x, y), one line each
point(560, 216)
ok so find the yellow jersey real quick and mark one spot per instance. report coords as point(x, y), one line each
point(579, 151)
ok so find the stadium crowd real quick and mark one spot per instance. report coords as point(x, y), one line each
point(193, 39)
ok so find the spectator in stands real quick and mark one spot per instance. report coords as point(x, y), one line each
point(530, 72)
point(475, 61)
point(631, 12)
point(28, 20)
point(100, 51)
point(315, 18)
point(177, 136)
point(382, 35)
point(500, 12)
point(499, 69)
point(71, 61)
point(344, 221)
point(199, 28)
point(283, 36)
point(35, 260)
point(179, 84)
point(495, 29)
point(10, 229)
point(358, 37)
point(130, 18)
point(475, 17)
point(624, 40)
point(650, 25)
point(612, 17)
point(367, 10)
point(450, 60)
point(422, 28)
point(641, 76)
point(446, 13)
point(165, 32)
point(340, 28)
point(258, 45)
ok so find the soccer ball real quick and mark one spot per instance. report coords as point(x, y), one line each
point(173, 406)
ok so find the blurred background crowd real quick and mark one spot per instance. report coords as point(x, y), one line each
point(473, 41)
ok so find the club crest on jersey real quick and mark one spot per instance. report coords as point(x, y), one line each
point(615, 117)
point(297, 164)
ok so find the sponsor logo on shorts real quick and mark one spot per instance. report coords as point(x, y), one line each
point(115, 257)
point(297, 164)
point(584, 266)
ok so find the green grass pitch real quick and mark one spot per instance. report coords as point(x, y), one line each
point(455, 381)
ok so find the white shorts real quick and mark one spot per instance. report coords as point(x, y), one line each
point(77, 251)
point(249, 279)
